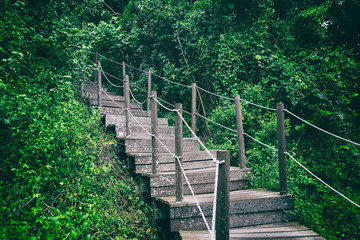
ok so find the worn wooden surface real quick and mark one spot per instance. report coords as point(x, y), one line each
point(179, 177)
point(246, 207)
point(139, 145)
point(283, 231)
point(281, 147)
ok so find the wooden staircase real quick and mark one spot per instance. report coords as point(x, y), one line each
point(182, 220)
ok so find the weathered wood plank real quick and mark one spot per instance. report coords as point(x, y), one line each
point(116, 104)
point(240, 220)
point(282, 231)
point(144, 159)
point(170, 167)
point(145, 121)
point(236, 207)
point(241, 195)
point(144, 145)
point(119, 111)
point(200, 176)
point(198, 188)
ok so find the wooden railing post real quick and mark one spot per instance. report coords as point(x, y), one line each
point(281, 147)
point(239, 127)
point(127, 105)
point(99, 85)
point(154, 132)
point(96, 60)
point(149, 90)
point(123, 70)
point(179, 153)
point(223, 197)
point(193, 108)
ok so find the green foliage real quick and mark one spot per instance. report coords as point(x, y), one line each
point(301, 53)
point(60, 174)
point(267, 51)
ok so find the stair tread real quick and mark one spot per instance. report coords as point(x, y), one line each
point(196, 171)
point(285, 230)
point(239, 195)
point(185, 154)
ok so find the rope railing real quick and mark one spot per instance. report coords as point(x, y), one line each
point(183, 85)
point(168, 80)
point(137, 101)
point(323, 182)
point(119, 79)
point(318, 128)
point(112, 84)
point(211, 231)
point(217, 162)
point(231, 130)
point(214, 94)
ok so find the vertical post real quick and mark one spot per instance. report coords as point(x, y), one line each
point(99, 85)
point(149, 90)
point(223, 197)
point(281, 147)
point(127, 104)
point(239, 127)
point(179, 191)
point(123, 70)
point(193, 107)
point(96, 60)
point(154, 132)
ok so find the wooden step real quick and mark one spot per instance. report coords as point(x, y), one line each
point(139, 145)
point(145, 158)
point(92, 90)
point(169, 165)
point(114, 104)
point(119, 111)
point(247, 208)
point(139, 132)
point(201, 180)
point(104, 96)
point(143, 161)
point(114, 119)
point(284, 230)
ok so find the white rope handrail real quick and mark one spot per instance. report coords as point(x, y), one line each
point(217, 95)
point(137, 101)
point(176, 83)
point(138, 69)
point(323, 182)
point(217, 162)
point(257, 105)
point(176, 157)
point(318, 128)
point(114, 85)
point(113, 76)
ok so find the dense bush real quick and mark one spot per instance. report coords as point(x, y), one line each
point(61, 176)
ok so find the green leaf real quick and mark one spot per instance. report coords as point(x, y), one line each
point(325, 112)
point(302, 54)
point(107, 168)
